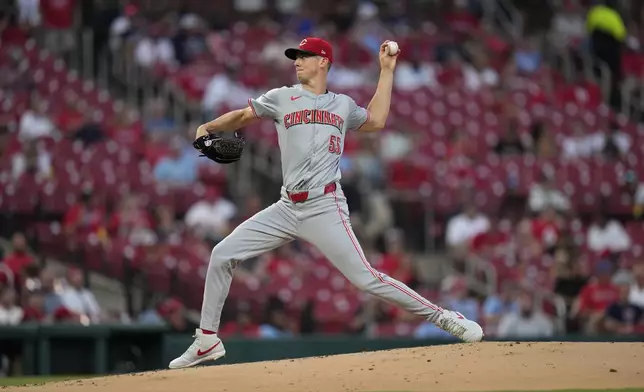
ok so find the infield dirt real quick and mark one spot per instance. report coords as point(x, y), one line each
point(489, 366)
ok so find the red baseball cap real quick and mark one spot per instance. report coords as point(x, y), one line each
point(312, 46)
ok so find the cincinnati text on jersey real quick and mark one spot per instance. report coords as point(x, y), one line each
point(307, 116)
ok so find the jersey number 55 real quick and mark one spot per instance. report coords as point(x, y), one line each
point(335, 143)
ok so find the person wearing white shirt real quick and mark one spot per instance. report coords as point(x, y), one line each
point(582, 144)
point(607, 235)
point(211, 216)
point(414, 75)
point(34, 122)
point(154, 50)
point(29, 12)
point(78, 299)
point(223, 89)
point(32, 158)
point(527, 322)
point(544, 195)
point(465, 226)
point(636, 294)
point(10, 314)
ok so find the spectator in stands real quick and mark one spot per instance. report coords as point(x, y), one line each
point(395, 261)
point(86, 217)
point(543, 141)
point(570, 278)
point(465, 226)
point(607, 33)
point(14, 72)
point(623, 317)
point(34, 311)
point(616, 143)
point(414, 74)
point(528, 322)
point(510, 143)
point(70, 118)
point(543, 195)
point(243, 326)
point(19, 258)
point(582, 143)
point(568, 26)
point(607, 236)
point(32, 159)
point(127, 129)
point(130, 220)
point(633, 185)
point(10, 312)
point(636, 296)
point(190, 42)
point(173, 312)
point(498, 305)
point(527, 57)
point(58, 21)
point(157, 121)
point(178, 168)
point(50, 290)
point(78, 299)
point(29, 16)
point(456, 296)
point(154, 49)
point(211, 216)
point(479, 74)
point(35, 123)
point(124, 26)
point(595, 297)
point(92, 130)
point(547, 229)
point(224, 89)
point(166, 227)
point(276, 323)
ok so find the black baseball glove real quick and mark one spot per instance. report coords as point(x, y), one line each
point(221, 149)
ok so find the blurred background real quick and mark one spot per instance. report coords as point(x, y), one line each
point(508, 184)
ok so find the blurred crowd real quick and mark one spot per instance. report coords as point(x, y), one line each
point(538, 245)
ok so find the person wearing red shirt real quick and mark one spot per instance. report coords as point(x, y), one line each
point(70, 119)
point(85, 217)
point(547, 228)
point(19, 258)
point(58, 19)
point(395, 262)
point(595, 297)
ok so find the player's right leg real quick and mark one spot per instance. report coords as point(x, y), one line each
point(266, 230)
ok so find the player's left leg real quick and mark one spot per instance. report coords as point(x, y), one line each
point(326, 225)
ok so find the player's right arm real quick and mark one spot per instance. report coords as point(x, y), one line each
point(263, 107)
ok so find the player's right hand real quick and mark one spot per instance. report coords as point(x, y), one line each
point(387, 62)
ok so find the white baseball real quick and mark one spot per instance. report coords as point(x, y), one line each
point(392, 47)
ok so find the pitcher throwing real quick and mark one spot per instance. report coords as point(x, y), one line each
point(311, 124)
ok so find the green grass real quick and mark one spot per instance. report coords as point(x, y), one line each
point(35, 380)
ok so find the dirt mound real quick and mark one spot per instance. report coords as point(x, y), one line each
point(460, 367)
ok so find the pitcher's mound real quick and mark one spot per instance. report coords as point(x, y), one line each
point(472, 367)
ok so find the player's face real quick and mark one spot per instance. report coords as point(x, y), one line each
point(307, 67)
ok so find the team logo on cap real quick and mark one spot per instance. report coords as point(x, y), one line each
point(303, 42)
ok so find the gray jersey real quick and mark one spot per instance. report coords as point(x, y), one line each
point(311, 130)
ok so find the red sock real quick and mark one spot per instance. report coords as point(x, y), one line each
point(207, 332)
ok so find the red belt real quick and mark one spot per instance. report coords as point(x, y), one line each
point(304, 196)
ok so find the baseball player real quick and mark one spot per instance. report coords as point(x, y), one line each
point(311, 123)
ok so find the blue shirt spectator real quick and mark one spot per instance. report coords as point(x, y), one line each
point(178, 168)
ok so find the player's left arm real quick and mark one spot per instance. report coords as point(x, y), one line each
point(378, 109)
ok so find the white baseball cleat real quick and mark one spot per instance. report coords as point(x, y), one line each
point(204, 348)
point(457, 325)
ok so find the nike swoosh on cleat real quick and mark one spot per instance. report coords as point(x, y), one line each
point(200, 353)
